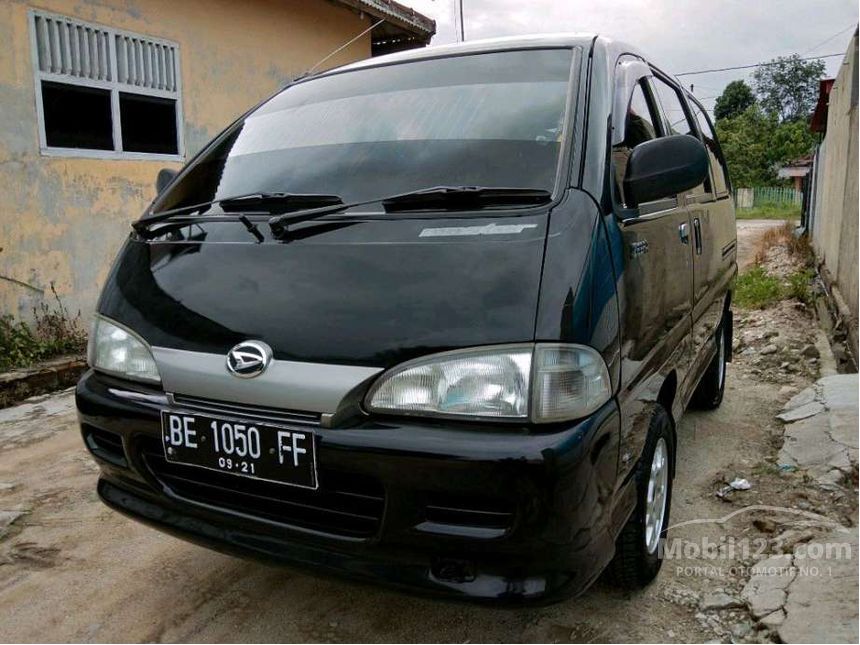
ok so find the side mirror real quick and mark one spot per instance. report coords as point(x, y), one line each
point(162, 181)
point(664, 167)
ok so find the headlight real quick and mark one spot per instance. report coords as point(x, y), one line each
point(120, 351)
point(542, 383)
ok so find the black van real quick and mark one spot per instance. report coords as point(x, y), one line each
point(428, 319)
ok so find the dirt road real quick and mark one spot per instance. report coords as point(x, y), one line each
point(71, 570)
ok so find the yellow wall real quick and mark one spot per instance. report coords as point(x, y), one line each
point(63, 219)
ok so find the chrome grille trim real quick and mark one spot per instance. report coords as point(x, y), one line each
point(228, 408)
point(285, 385)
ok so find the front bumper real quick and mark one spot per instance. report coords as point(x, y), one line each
point(462, 510)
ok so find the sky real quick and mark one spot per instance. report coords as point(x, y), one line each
point(678, 35)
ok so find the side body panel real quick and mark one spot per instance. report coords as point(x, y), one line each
point(653, 271)
point(655, 299)
point(715, 259)
point(713, 269)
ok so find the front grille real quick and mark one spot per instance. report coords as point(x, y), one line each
point(275, 415)
point(346, 504)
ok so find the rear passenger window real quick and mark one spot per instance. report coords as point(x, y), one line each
point(718, 163)
point(639, 127)
point(678, 121)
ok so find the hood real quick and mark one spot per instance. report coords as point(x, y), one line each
point(371, 292)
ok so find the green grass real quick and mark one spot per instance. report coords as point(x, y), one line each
point(799, 285)
point(770, 211)
point(756, 289)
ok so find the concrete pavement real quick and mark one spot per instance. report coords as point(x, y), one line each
point(809, 595)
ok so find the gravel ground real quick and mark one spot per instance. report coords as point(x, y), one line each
point(71, 570)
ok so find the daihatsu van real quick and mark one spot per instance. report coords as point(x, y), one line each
point(428, 320)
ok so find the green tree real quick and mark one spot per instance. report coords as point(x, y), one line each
point(788, 86)
point(791, 140)
point(736, 98)
point(745, 142)
point(756, 144)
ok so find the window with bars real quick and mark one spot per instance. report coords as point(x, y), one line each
point(104, 92)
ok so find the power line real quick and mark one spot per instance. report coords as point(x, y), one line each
point(344, 46)
point(824, 42)
point(728, 69)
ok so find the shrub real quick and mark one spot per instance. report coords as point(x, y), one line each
point(798, 246)
point(54, 333)
point(18, 345)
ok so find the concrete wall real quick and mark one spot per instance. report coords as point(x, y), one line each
point(62, 219)
point(835, 227)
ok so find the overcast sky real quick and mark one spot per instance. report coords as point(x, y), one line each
point(679, 35)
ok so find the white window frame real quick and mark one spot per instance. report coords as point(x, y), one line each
point(113, 85)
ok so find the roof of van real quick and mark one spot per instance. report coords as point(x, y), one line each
point(573, 39)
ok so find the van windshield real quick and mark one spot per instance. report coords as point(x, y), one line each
point(485, 119)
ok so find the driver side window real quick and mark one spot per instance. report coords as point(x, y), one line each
point(639, 126)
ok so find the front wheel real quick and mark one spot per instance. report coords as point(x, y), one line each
point(709, 392)
point(637, 554)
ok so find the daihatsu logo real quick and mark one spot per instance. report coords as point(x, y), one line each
point(249, 359)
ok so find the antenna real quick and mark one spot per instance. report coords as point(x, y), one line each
point(462, 26)
point(341, 48)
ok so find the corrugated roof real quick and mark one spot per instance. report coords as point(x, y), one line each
point(397, 14)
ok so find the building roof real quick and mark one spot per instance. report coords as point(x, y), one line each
point(796, 168)
point(404, 28)
point(818, 123)
point(396, 13)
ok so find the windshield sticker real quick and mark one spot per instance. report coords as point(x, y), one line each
point(464, 231)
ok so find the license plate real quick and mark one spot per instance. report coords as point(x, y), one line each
point(247, 448)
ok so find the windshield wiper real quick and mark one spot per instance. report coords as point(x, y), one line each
point(435, 198)
point(252, 228)
point(277, 203)
point(274, 203)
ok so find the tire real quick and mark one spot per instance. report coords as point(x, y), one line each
point(637, 554)
point(709, 392)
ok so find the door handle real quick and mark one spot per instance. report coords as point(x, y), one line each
point(684, 233)
point(697, 229)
